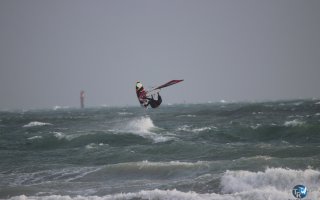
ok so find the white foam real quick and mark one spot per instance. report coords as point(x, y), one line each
point(35, 123)
point(141, 125)
point(188, 128)
point(125, 113)
point(255, 126)
point(144, 127)
point(91, 146)
point(59, 135)
point(94, 145)
point(257, 113)
point(270, 193)
point(158, 139)
point(171, 164)
point(274, 183)
point(197, 130)
point(60, 107)
point(295, 116)
point(298, 103)
point(184, 128)
point(270, 184)
point(293, 123)
point(189, 115)
point(46, 176)
point(144, 194)
point(35, 137)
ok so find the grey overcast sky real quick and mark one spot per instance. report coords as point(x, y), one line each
point(231, 50)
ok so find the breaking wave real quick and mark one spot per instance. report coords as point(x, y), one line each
point(36, 123)
point(187, 128)
point(140, 130)
point(273, 183)
point(293, 123)
point(35, 137)
point(144, 127)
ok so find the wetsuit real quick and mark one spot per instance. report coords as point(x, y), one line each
point(154, 103)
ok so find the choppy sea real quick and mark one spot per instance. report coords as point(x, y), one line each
point(218, 151)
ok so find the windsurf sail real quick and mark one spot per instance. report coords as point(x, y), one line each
point(172, 82)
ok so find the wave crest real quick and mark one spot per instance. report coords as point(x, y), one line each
point(144, 127)
point(36, 123)
point(272, 180)
point(273, 183)
point(293, 123)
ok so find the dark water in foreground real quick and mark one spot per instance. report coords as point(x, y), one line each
point(208, 151)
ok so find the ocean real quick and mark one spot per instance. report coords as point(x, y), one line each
point(218, 151)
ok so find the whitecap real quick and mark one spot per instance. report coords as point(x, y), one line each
point(256, 126)
point(184, 128)
point(59, 135)
point(60, 107)
point(125, 113)
point(293, 123)
point(35, 137)
point(188, 115)
point(35, 123)
point(146, 163)
point(267, 193)
point(94, 145)
point(188, 128)
point(140, 125)
point(48, 176)
point(156, 167)
point(144, 127)
point(272, 181)
point(298, 103)
point(197, 130)
point(257, 113)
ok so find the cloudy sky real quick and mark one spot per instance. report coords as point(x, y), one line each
point(231, 50)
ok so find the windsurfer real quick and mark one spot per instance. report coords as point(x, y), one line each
point(146, 97)
point(141, 94)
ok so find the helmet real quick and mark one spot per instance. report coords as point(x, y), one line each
point(139, 86)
